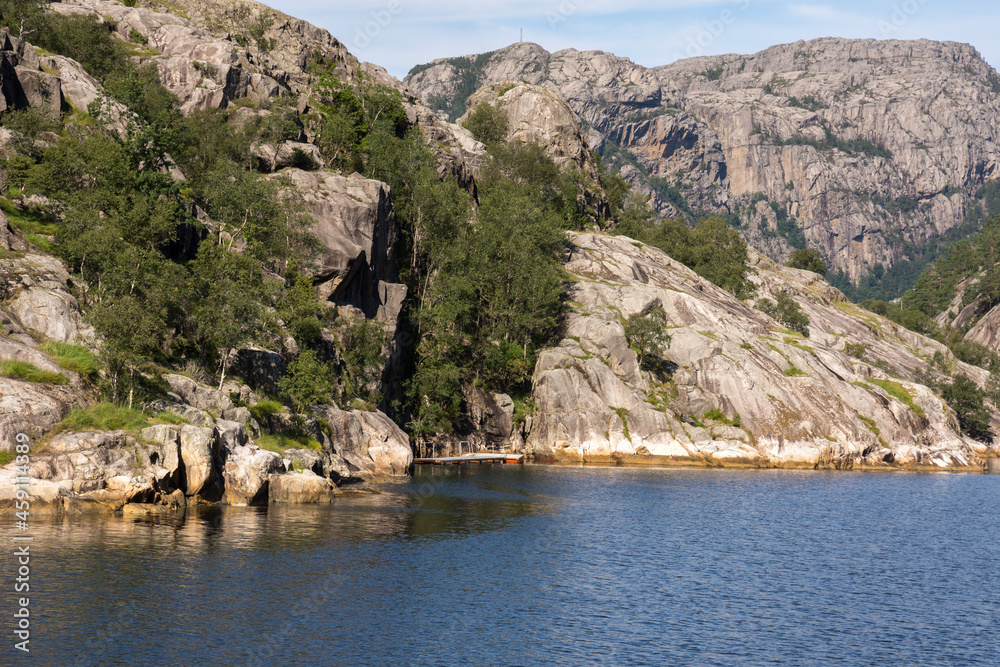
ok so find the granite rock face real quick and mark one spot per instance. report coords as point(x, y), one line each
point(301, 487)
point(356, 223)
point(867, 145)
point(35, 287)
point(743, 391)
point(538, 115)
point(370, 443)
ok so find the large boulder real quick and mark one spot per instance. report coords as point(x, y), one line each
point(199, 450)
point(42, 90)
point(274, 157)
point(246, 471)
point(301, 487)
point(260, 369)
point(170, 473)
point(198, 395)
point(355, 222)
point(231, 434)
point(189, 413)
point(371, 443)
point(79, 89)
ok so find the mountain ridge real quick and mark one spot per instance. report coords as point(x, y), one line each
point(878, 167)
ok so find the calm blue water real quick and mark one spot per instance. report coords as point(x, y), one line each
point(540, 565)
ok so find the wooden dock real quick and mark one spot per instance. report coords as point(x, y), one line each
point(511, 459)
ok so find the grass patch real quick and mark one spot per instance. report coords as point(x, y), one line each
point(6, 457)
point(280, 443)
point(794, 372)
point(623, 415)
point(41, 242)
point(22, 370)
point(170, 418)
point(802, 346)
point(26, 222)
point(264, 408)
point(103, 417)
point(74, 358)
point(718, 416)
point(900, 393)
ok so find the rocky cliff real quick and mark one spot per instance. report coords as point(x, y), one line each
point(866, 150)
point(741, 390)
point(202, 57)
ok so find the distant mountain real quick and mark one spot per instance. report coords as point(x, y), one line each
point(873, 152)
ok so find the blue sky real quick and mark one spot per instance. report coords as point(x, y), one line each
point(398, 34)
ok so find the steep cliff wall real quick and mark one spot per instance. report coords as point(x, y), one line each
point(866, 148)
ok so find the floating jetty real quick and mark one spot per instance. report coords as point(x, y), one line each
point(511, 459)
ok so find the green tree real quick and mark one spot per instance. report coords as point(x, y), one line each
point(309, 381)
point(967, 400)
point(228, 311)
point(251, 212)
point(786, 311)
point(646, 333)
point(807, 259)
point(361, 347)
point(721, 256)
point(302, 312)
point(488, 123)
point(23, 17)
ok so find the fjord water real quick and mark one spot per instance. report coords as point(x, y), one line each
point(540, 565)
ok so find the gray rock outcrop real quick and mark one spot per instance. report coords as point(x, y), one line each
point(355, 222)
point(744, 390)
point(540, 116)
point(35, 289)
point(301, 487)
point(369, 442)
point(247, 472)
point(199, 452)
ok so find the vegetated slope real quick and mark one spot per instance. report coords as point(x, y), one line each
point(195, 170)
point(872, 152)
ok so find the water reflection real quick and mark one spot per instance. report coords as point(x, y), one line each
point(539, 565)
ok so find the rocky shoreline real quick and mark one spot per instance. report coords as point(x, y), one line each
point(205, 460)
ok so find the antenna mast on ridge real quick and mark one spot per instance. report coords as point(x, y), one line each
point(522, 35)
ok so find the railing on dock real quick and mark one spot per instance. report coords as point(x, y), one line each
point(475, 454)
